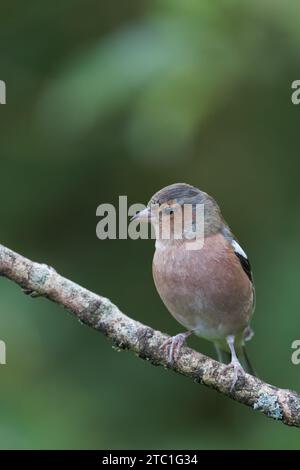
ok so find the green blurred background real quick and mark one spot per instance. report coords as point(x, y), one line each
point(121, 98)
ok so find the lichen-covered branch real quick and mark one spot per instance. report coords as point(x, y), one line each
point(101, 314)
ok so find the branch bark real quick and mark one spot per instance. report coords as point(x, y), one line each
point(101, 314)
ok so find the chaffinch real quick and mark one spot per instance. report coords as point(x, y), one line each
point(208, 290)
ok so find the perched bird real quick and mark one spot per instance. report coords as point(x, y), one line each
point(209, 290)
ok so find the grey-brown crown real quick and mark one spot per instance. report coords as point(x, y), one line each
point(178, 192)
point(183, 193)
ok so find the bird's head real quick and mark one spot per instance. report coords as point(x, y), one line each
point(173, 210)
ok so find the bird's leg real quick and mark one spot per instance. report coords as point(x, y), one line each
point(174, 344)
point(219, 353)
point(223, 356)
point(235, 363)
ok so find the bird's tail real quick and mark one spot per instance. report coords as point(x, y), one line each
point(225, 358)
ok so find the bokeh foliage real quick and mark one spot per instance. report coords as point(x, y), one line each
point(124, 97)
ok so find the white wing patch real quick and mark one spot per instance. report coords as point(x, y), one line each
point(238, 249)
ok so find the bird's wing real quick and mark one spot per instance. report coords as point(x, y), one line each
point(245, 263)
point(239, 252)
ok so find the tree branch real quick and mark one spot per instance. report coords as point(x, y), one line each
point(102, 315)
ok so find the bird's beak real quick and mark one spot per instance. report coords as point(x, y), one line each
point(142, 216)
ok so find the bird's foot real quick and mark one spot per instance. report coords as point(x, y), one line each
point(174, 344)
point(237, 370)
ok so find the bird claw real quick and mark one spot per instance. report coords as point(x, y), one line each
point(174, 345)
point(237, 369)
